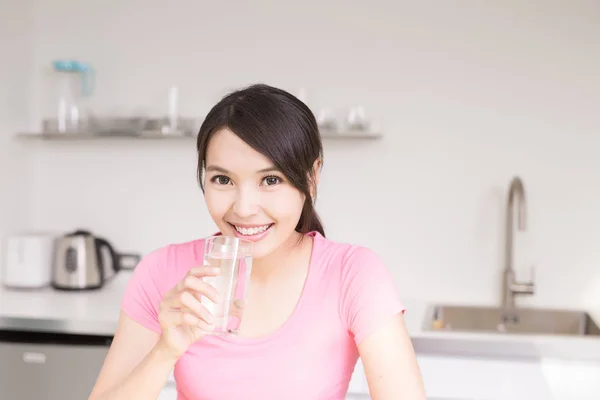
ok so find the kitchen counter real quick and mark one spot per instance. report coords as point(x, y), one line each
point(93, 312)
point(96, 313)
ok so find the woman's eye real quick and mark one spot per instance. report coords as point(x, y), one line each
point(271, 180)
point(221, 180)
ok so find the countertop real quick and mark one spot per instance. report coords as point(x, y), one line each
point(96, 313)
point(93, 312)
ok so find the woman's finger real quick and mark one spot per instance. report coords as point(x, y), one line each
point(175, 318)
point(237, 308)
point(204, 270)
point(171, 301)
point(191, 282)
point(191, 302)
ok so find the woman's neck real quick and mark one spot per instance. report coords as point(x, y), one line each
point(288, 253)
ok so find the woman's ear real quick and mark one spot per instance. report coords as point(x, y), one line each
point(314, 178)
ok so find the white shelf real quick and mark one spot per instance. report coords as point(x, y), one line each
point(160, 136)
point(89, 136)
point(349, 135)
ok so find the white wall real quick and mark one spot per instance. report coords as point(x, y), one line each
point(16, 47)
point(469, 95)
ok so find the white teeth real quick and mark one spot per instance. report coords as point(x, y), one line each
point(252, 231)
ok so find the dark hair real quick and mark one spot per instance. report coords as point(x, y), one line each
point(277, 125)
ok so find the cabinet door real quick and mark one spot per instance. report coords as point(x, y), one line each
point(49, 372)
point(449, 378)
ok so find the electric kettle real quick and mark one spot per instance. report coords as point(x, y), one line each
point(83, 261)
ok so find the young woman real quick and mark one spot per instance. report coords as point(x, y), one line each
point(314, 305)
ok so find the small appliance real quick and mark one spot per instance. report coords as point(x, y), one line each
point(28, 260)
point(84, 261)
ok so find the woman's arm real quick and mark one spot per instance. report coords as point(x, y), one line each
point(136, 366)
point(390, 363)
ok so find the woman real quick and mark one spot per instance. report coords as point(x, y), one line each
point(314, 305)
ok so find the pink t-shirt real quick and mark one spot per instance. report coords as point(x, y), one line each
point(348, 294)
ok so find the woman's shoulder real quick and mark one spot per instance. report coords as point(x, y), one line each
point(172, 260)
point(350, 265)
point(346, 254)
point(367, 290)
point(157, 272)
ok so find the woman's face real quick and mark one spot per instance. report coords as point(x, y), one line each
point(247, 196)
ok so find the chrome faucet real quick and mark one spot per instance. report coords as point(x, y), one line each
point(510, 287)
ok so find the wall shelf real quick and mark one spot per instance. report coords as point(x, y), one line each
point(91, 136)
point(157, 135)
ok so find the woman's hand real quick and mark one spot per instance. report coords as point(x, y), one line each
point(182, 317)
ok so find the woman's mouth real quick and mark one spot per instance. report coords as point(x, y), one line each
point(253, 233)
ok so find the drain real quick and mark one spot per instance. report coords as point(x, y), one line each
point(510, 319)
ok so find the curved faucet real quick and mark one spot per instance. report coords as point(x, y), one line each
point(510, 287)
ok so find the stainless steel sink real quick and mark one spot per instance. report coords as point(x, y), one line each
point(514, 321)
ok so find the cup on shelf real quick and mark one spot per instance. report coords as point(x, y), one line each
point(356, 119)
point(326, 121)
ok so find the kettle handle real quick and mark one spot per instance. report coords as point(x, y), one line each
point(100, 243)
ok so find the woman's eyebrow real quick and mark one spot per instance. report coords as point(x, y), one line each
point(270, 169)
point(216, 168)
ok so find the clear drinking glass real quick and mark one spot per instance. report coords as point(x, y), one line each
point(233, 256)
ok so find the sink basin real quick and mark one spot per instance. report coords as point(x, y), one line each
point(516, 321)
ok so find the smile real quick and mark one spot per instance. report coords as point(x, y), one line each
point(252, 232)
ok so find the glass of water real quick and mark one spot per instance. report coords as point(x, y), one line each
point(233, 257)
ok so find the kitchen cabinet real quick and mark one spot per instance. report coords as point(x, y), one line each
point(472, 378)
point(485, 379)
point(49, 366)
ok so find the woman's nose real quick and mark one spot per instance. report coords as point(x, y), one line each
point(246, 203)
